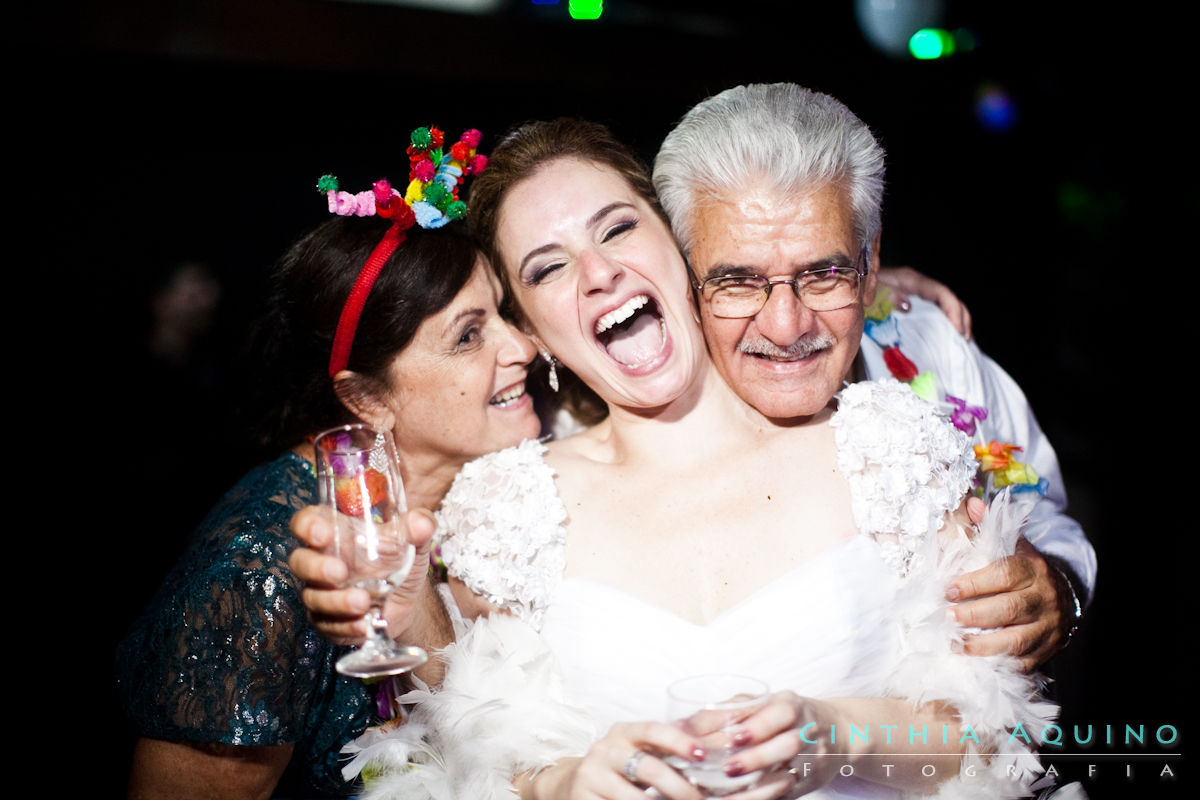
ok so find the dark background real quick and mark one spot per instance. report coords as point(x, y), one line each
point(167, 132)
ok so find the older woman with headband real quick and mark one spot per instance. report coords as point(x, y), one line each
point(374, 316)
point(687, 533)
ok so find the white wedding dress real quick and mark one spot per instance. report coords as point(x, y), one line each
point(573, 656)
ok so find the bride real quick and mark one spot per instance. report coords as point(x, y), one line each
point(687, 533)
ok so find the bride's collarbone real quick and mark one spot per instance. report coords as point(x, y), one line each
point(716, 458)
point(756, 483)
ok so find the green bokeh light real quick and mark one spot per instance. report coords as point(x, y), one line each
point(930, 43)
point(586, 9)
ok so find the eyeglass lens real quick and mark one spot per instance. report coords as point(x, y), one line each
point(745, 296)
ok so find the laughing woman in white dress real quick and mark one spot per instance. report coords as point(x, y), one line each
point(687, 533)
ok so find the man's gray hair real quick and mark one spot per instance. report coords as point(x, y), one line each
point(795, 139)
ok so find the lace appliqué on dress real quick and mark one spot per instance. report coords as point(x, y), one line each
point(501, 530)
point(907, 466)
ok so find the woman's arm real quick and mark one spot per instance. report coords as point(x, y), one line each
point(192, 770)
point(905, 281)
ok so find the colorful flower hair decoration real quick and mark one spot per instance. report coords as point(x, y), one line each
point(430, 200)
point(435, 175)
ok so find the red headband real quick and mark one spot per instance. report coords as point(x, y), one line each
point(431, 201)
point(347, 325)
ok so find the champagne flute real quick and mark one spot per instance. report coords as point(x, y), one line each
point(709, 707)
point(358, 477)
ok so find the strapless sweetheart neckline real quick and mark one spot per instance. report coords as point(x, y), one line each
point(770, 591)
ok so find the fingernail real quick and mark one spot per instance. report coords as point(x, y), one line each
point(734, 768)
point(698, 754)
point(952, 594)
point(956, 647)
point(742, 737)
point(951, 616)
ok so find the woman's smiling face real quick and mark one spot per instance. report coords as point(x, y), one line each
point(458, 390)
point(600, 280)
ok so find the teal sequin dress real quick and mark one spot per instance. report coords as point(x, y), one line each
point(225, 652)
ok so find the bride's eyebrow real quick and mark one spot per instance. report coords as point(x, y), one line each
point(532, 254)
point(604, 212)
point(591, 221)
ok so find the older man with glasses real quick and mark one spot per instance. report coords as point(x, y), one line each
point(774, 193)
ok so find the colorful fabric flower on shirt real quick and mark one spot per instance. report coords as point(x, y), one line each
point(996, 460)
point(881, 327)
point(964, 416)
point(994, 456)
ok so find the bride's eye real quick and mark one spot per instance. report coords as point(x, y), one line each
point(621, 227)
point(540, 274)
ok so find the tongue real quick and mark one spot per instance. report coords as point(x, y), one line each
point(637, 343)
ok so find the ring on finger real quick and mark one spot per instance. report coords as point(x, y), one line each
point(631, 765)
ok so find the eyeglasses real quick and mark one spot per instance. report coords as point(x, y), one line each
point(740, 296)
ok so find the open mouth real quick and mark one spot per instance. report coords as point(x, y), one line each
point(507, 397)
point(634, 333)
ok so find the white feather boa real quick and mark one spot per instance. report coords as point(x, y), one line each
point(994, 699)
point(500, 712)
point(502, 709)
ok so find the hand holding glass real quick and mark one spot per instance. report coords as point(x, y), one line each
point(709, 707)
point(358, 477)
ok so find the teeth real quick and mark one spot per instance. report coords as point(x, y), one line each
point(618, 315)
point(508, 397)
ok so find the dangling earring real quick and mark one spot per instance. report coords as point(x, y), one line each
point(379, 454)
point(553, 369)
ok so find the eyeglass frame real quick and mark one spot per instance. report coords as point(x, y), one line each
point(794, 282)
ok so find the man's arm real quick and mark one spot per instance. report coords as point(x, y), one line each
point(1036, 596)
point(1049, 529)
point(1026, 595)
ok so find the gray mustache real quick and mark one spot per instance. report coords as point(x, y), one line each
point(801, 348)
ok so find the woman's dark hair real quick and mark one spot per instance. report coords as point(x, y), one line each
point(310, 285)
point(520, 153)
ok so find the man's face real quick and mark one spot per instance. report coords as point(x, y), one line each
point(787, 361)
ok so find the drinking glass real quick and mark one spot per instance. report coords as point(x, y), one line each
point(709, 707)
point(358, 476)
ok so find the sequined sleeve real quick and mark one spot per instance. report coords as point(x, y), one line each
point(225, 652)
